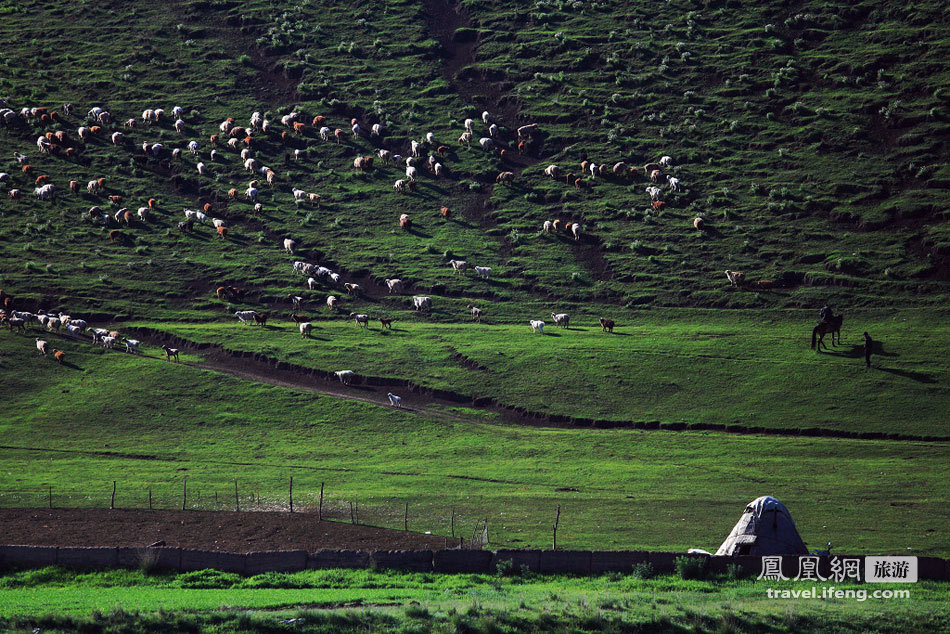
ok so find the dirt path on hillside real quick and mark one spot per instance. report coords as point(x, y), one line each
point(489, 90)
point(435, 403)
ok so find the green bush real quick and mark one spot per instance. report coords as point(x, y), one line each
point(690, 567)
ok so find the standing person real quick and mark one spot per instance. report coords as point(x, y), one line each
point(868, 346)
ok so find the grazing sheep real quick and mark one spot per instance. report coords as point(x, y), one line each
point(394, 285)
point(576, 231)
point(352, 289)
point(386, 323)
point(394, 400)
point(537, 326)
point(296, 300)
point(421, 302)
point(405, 222)
point(201, 168)
point(470, 125)
point(505, 177)
point(445, 212)
point(465, 138)
point(376, 130)
point(361, 319)
point(735, 278)
point(548, 226)
point(346, 376)
point(487, 143)
point(658, 205)
point(553, 171)
point(246, 316)
point(526, 131)
point(415, 148)
point(765, 285)
point(459, 266)
point(439, 170)
point(59, 355)
point(655, 176)
point(305, 328)
point(42, 346)
point(108, 342)
point(325, 133)
point(674, 183)
point(170, 352)
point(399, 186)
point(649, 168)
point(699, 223)
point(132, 345)
point(476, 313)
point(411, 173)
point(561, 319)
point(311, 283)
point(332, 301)
point(289, 245)
point(483, 272)
point(666, 161)
point(607, 325)
point(655, 193)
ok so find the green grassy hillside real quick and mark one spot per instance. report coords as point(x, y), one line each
point(147, 423)
point(810, 137)
point(812, 141)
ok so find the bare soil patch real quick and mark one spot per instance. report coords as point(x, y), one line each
point(207, 530)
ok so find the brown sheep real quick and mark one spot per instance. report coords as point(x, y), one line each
point(152, 203)
point(651, 167)
point(223, 232)
point(446, 213)
point(405, 222)
point(655, 176)
point(765, 285)
point(74, 187)
point(59, 355)
point(505, 177)
point(116, 236)
point(214, 140)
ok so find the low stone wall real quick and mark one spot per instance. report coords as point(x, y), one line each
point(571, 562)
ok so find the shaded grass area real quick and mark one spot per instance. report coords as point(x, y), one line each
point(147, 424)
point(340, 600)
point(726, 367)
point(810, 140)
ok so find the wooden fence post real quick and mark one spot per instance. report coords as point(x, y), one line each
point(237, 500)
point(184, 493)
point(352, 518)
point(51, 496)
point(112, 503)
point(557, 519)
point(291, 494)
point(150, 498)
point(453, 522)
point(320, 508)
point(405, 520)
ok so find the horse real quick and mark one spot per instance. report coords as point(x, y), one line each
point(833, 326)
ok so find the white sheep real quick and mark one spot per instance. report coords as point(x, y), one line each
point(325, 133)
point(486, 143)
point(179, 126)
point(116, 138)
point(674, 183)
point(201, 168)
point(394, 400)
point(470, 125)
point(289, 245)
point(486, 118)
point(537, 326)
point(415, 147)
point(493, 130)
point(193, 146)
point(666, 161)
point(376, 130)
point(411, 173)
point(483, 272)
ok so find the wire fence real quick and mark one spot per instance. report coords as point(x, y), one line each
point(198, 495)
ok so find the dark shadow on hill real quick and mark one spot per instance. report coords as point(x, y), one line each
point(920, 377)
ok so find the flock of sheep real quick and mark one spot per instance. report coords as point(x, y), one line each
point(428, 154)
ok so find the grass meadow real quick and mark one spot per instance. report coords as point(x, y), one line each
point(341, 600)
point(810, 137)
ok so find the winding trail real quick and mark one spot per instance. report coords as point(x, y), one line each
point(435, 403)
